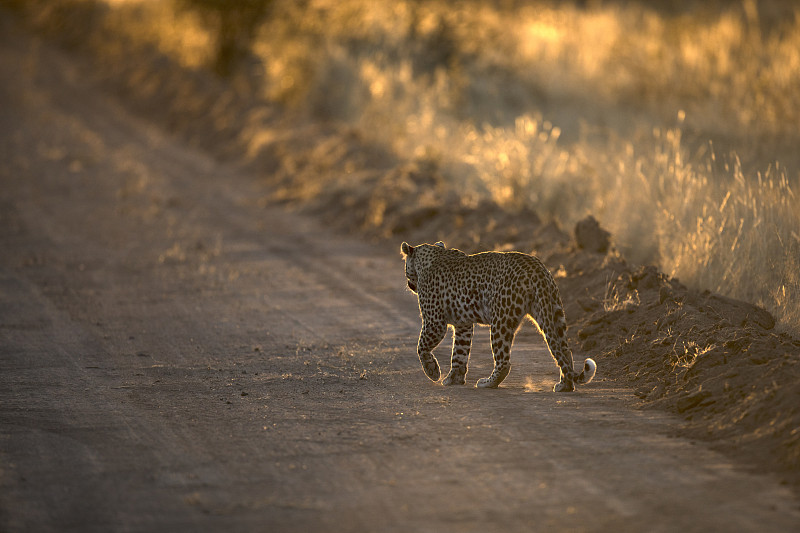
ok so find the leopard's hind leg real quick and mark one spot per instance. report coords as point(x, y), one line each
point(556, 338)
point(549, 317)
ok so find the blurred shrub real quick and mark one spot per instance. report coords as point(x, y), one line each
point(234, 24)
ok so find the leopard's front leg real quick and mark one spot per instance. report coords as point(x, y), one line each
point(462, 342)
point(430, 336)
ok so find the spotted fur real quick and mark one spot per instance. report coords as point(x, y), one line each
point(498, 289)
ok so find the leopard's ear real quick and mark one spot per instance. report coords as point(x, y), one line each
point(406, 249)
point(440, 244)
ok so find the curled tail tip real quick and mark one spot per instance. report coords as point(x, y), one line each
point(589, 369)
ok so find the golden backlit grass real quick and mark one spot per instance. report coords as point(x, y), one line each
point(695, 212)
point(676, 128)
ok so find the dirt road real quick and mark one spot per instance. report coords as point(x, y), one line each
point(175, 356)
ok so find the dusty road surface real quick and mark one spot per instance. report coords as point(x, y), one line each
point(174, 356)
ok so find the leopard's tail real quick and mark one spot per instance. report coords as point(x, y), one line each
point(589, 369)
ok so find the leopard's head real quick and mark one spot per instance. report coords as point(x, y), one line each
point(417, 259)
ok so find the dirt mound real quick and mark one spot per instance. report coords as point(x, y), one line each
point(590, 236)
point(714, 361)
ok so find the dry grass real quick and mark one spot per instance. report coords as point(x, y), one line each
point(675, 128)
point(478, 107)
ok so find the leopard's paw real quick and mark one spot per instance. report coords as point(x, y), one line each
point(454, 378)
point(431, 368)
point(487, 383)
point(564, 386)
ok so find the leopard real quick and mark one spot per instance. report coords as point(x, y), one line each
point(496, 289)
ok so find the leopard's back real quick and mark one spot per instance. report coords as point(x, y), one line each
point(488, 285)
